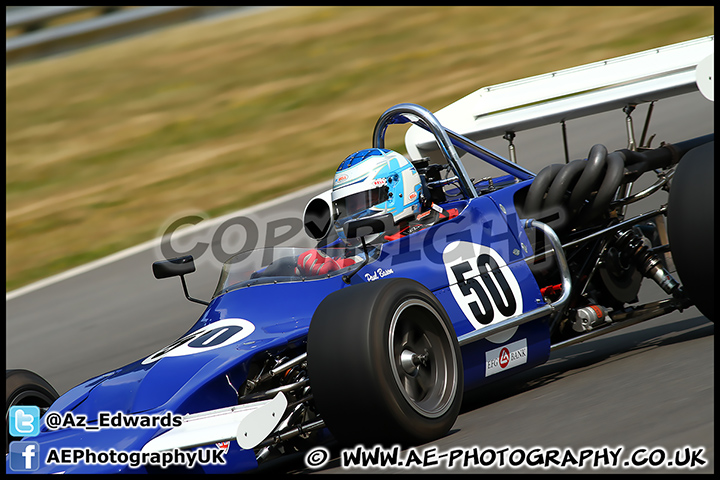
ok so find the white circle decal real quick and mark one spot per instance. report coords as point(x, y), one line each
point(213, 335)
point(483, 285)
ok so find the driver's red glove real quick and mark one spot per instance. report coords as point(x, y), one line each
point(315, 262)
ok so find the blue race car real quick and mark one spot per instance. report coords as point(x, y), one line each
point(424, 284)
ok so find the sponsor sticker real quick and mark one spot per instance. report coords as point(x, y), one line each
point(506, 357)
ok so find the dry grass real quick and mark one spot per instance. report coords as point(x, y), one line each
point(105, 144)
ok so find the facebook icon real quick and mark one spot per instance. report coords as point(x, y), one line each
point(24, 456)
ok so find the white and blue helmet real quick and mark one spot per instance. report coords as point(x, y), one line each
point(375, 181)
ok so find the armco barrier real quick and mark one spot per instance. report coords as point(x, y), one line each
point(39, 42)
point(28, 19)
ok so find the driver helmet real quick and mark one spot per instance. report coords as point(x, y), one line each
point(375, 181)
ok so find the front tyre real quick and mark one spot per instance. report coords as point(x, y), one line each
point(384, 364)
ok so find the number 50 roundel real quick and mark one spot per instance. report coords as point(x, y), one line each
point(481, 283)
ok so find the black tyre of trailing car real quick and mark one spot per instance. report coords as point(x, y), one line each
point(23, 387)
point(384, 364)
point(691, 226)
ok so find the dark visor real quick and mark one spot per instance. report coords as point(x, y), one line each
point(358, 202)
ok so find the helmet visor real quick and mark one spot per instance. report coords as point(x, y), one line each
point(359, 202)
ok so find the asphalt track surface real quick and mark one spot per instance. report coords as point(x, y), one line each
point(650, 386)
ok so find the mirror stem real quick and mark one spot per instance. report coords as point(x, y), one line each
point(187, 295)
point(346, 278)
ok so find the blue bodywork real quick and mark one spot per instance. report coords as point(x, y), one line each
point(202, 380)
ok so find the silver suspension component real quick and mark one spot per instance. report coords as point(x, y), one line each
point(263, 376)
point(292, 418)
point(626, 318)
point(589, 318)
point(286, 375)
point(632, 247)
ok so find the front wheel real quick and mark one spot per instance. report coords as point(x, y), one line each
point(384, 364)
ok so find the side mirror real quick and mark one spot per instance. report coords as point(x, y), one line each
point(175, 267)
point(317, 217)
point(368, 225)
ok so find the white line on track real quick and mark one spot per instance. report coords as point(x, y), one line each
point(73, 272)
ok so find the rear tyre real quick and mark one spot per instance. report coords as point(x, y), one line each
point(691, 226)
point(384, 364)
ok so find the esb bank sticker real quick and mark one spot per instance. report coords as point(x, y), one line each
point(481, 283)
point(213, 335)
point(506, 357)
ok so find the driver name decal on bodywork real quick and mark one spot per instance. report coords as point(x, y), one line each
point(214, 335)
point(377, 274)
point(482, 283)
